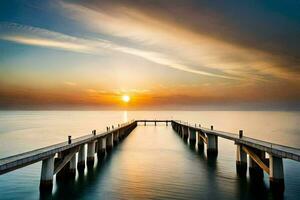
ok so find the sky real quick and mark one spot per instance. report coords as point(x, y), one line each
point(164, 54)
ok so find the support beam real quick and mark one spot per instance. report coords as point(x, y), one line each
point(202, 137)
point(200, 141)
point(255, 171)
point(276, 174)
point(101, 148)
point(62, 164)
point(91, 154)
point(256, 164)
point(192, 136)
point(241, 161)
point(46, 182)
point(212, 145)
point(81, 158)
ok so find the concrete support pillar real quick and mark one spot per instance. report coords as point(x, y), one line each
point(144, 123)
point(185, 133)
point(120, 135)
point(241, 161)
point(81, 158)
point(101, 148)
point(91, 154)
point(177, 128)
point(180, 131)
point(256, 173)
point(276, 174)
point(72, 166)
point(116, 137)
point(109, 142)
point(155, 123)
point(192, 136)
point(212, 145)
point(123, 133)
point(200, 142)
point(46, 182)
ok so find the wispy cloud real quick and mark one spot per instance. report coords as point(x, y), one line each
point(41, 37)
point(35, 36)
point(178, 46)
point(46, 43)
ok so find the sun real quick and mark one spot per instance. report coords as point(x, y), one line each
point(125, 98)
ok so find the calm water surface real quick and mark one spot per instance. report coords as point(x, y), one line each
point(152, 162)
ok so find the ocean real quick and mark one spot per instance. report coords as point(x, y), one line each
point(153, 162)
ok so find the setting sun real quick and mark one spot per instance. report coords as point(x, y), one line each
point(126, 98)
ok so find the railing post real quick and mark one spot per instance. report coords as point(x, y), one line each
point(240, 134)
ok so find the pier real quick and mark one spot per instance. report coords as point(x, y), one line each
point(60, 159)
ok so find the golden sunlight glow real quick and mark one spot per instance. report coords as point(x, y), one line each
point(125, 98)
